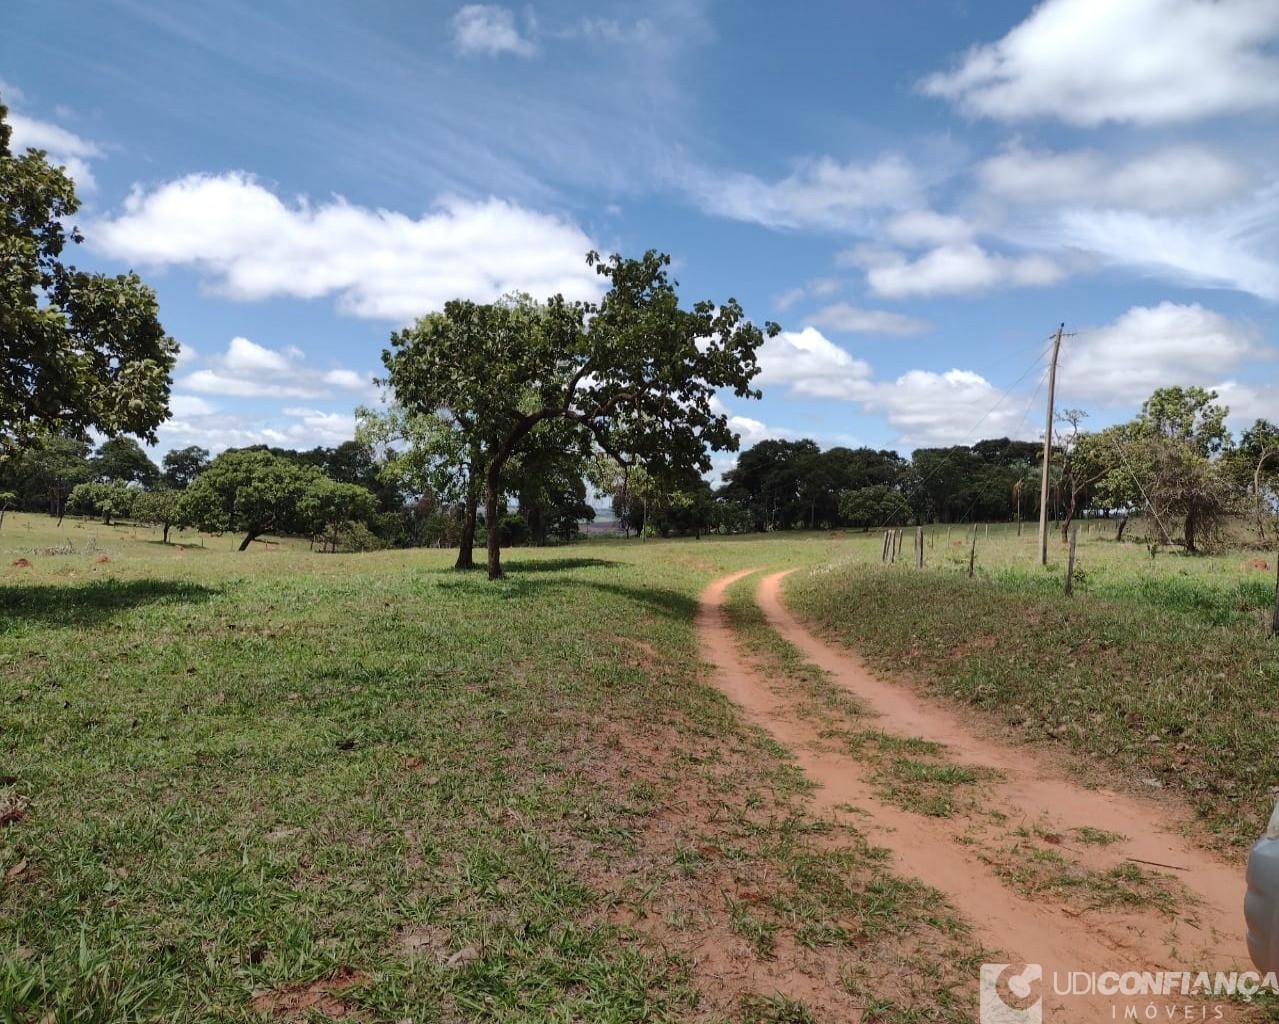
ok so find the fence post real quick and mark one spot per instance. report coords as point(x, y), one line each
point(1070, 562)
point(972, 553)
point(919, 547)
point(1274, 625)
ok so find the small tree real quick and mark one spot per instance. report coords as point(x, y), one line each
point(429, 454)
point(110, 501)
point(876, 505)
point(636, 371)
point(162, 508)
point(251, 491)
point(330, 508)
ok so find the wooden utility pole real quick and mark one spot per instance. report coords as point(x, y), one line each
point(1048, 445)
point(1070, 563)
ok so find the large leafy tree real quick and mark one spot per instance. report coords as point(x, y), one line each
point(121, 460)
point(182, 465)
point(636, 371)
point(79, 350)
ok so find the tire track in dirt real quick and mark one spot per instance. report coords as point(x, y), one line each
point(1040, 929)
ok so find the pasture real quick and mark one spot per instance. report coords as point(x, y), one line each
point(282, 785)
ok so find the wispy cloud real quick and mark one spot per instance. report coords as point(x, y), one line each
point(487, 29)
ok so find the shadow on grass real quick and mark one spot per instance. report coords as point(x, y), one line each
point(86, 603)
point(519, 586)
point(522, 566)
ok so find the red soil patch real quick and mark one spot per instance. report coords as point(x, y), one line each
point(101, 559)
point(21, 563)
point(1256, 563)
point(297, 1001)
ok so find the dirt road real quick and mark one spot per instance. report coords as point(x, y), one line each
point(1030, 810)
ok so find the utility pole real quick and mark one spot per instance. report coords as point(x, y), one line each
point(1048, 444)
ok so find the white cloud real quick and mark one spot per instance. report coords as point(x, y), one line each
point(244, 358)
point(843, 317)
point(956, 407)
point(926, 227)
point(1136, 61)
point(1248, 402)
point(64, 147)
point(822, 194)
point(1146, 348)
point(182, 406)
point(330, 428)
point(250, 370)
point(808, 364)
point(346, 379)
point(951, 270)
point(381, 264)
point(489, 30)
point(1231, 248)
point(1173, 178)
point(299, 428)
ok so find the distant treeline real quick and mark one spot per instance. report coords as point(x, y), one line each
point(1176, 463)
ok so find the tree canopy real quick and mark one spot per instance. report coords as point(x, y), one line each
point(637, 372)
point(80, 350)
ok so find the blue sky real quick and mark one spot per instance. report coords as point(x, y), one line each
point(918, 191)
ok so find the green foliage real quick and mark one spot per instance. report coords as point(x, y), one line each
point(121, 460)
point(255, 492)
point(44, 473)
point(332, 510)
point(182, 465)
point(108, 500)
point(162, 508)
point(874, 506)
point(81, 350)
point(250, 491)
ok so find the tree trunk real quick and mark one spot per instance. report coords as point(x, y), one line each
point(490, 523)
point(165, 535)
point(466, 547)
point(1190, 531)
point(1256, 492)
point(1123, 525)
point(249, 538)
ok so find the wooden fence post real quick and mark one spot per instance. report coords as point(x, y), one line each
point(883, 555)
point(1070, 562)
point(892, 548)
point(1274, 625)
point(919, 547)
point(972, 553)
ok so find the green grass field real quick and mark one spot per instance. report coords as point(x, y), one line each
point(285, 785)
